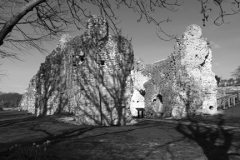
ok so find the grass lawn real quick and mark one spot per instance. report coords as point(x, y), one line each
point(148, 139)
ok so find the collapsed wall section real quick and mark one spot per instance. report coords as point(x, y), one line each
point(138, 96)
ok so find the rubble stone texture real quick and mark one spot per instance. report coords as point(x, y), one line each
point(88, 76)
point(183, 84)
point(28, 99)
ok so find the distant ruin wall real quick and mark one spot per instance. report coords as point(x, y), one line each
point(88, 76)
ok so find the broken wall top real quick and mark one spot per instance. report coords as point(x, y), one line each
point(192, 50)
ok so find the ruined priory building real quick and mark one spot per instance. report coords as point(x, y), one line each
point(180, 85)
point(88, 75)
point(94, 76)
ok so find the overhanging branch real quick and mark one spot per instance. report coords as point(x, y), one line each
point(7, 28)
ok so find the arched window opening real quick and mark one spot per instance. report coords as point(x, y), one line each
point(102, 62)
point(159, 96)
point(82, 57)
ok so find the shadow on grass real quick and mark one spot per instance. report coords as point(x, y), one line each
point(215, 142)
point(10, 122)
point(74, 135)
point(53, 138)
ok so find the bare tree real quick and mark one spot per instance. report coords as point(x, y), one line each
point(236, 73)
point(28, 23)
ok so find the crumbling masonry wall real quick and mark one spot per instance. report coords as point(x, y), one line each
point(88, 76)
point(183, 84)
point(28, 98)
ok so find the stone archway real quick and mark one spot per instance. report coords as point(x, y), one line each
point(157, 105)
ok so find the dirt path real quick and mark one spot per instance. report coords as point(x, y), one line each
point(146, 140)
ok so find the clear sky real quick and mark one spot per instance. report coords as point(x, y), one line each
point(146, 44)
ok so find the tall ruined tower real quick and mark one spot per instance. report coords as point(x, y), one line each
point(88, 76)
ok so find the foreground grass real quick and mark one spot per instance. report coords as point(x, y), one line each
point(147, 139)
point(31, 152)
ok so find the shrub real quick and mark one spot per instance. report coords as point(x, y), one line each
point(27, 152)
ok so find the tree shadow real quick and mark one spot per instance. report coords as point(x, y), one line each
point(101, 89)
point(8, 123)
point(51, 97)
point(74, 135)
point(90, 78)
point(215, 142)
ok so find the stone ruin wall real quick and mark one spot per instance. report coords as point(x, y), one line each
point(85, 75)
point(47, 87)
point(28, 98)
point(183, 84)
point(110, 85)
point(88, 76)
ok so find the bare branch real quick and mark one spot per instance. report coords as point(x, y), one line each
point(222, 13)
point(7, 28)
point(47, 19)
